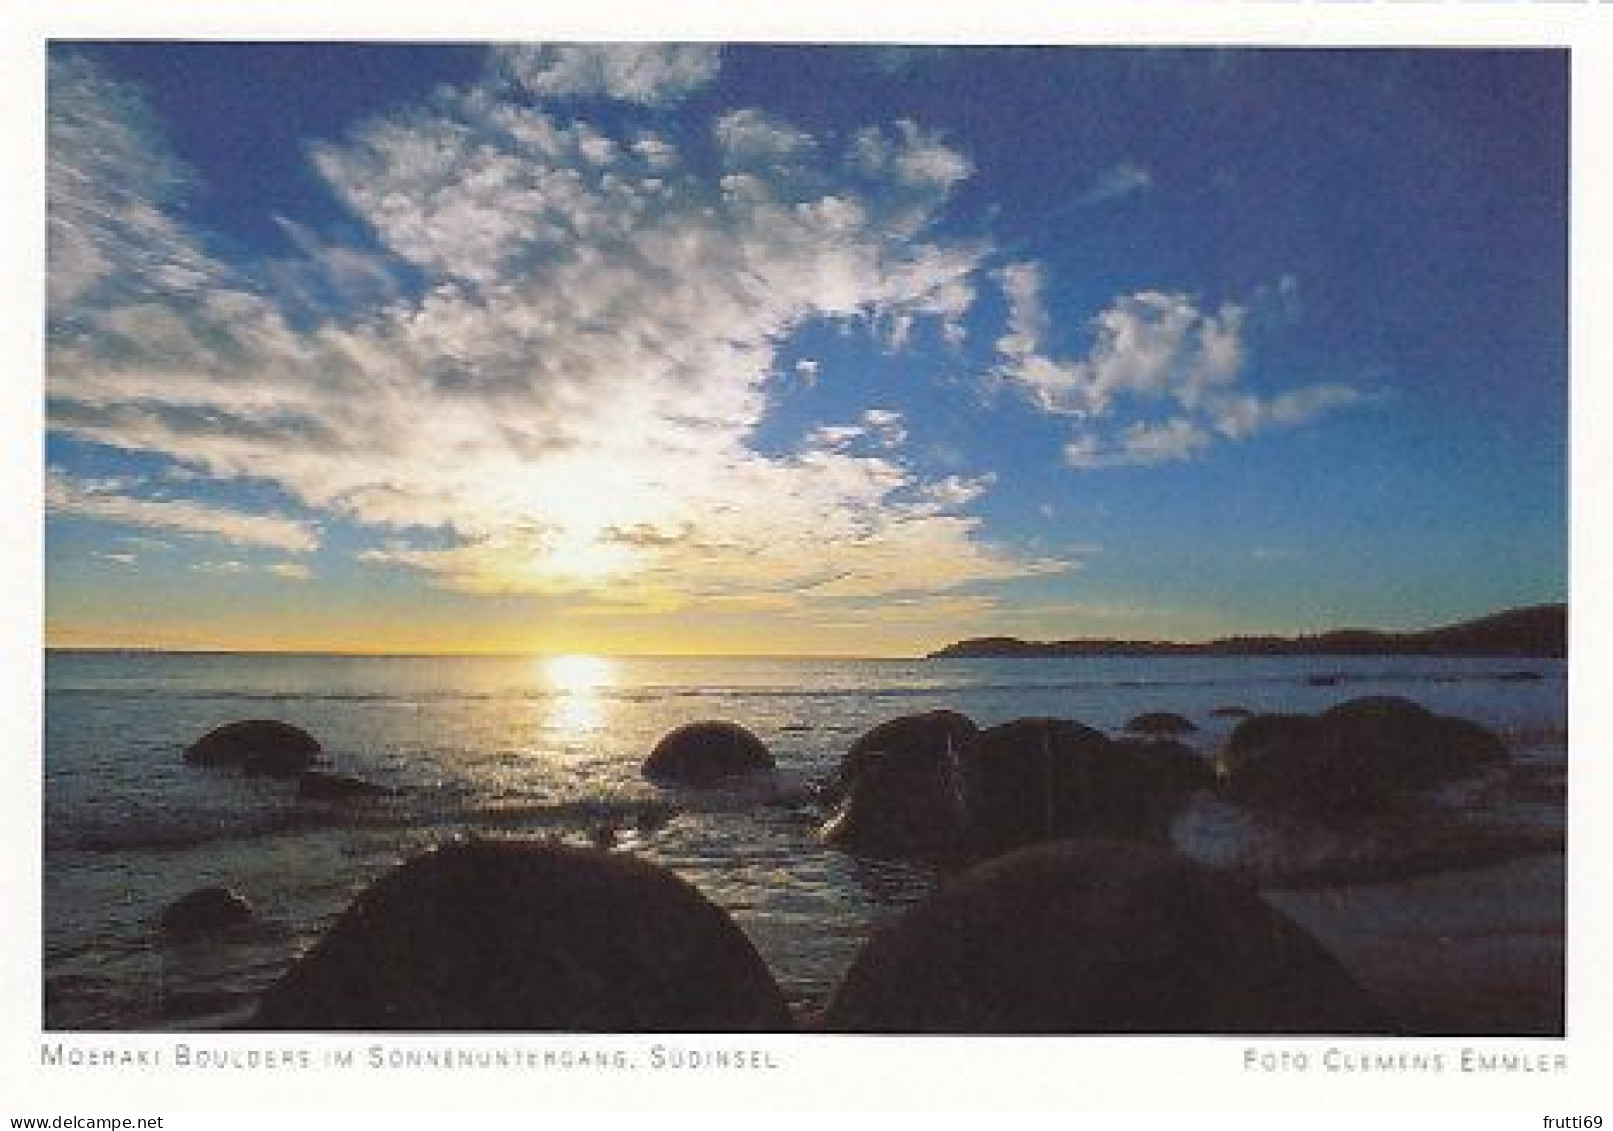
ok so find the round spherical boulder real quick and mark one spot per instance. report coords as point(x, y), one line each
point(206, 913)
point(901, 809)
point(1091, 936)
point(1164, 724)
point(1033, 780)
point(1171, 767)
point(705, 753)
point(1354, 757)
point(917, 741)
point(257, 746)
point(528, 935)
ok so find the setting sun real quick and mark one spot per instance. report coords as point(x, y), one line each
point(577, 680)
point(577, 674)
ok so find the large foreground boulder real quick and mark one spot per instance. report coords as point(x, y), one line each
point(1097, 937)
point(256, 746)
point(1361, 754)
point(926, 741)
point(705, 753)
point(528, 935)
point(207, 913)
point(1033, 780)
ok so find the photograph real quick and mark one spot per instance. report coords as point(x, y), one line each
point(680, 544)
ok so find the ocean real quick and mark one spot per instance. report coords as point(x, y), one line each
point(553, 746)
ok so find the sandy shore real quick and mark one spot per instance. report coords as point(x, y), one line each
point(1473, 952)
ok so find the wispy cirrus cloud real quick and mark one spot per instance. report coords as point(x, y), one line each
point(1125, 179)
point(1140, 444)
point(111, 182)
point(115, 503)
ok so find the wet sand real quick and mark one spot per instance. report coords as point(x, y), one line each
point(1462, 953)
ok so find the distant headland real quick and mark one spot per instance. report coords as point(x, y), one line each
point(1539, 632)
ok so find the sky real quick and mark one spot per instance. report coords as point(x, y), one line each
point(855, 350)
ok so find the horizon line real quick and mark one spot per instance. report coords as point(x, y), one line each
point(469, 655)
point(605, 654)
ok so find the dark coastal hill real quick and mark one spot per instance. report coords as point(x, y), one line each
point(1540, 631)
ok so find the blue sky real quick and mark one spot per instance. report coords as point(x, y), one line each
point(798, 349)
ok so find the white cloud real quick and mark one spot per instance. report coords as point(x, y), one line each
point(957, 491)
point(230, 567)
point(1149, 345)
point(834, 435)
point(590, 355)
point(902, 59)
point(1141, 444)
point(632, 72)
point(752, 138)
point(1239, 417)
point(887, 425)
point(882, 426)
point(1150, 349)
point(1124, 179)
point(234, 567)
point(65, 495)
point(917, 157)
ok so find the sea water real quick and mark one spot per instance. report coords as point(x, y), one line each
point(553, 746)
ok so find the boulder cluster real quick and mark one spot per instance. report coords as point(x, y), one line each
point(935, 786)
point(1061, 908)
point(273, 749)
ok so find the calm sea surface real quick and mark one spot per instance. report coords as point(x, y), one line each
point(536, 746)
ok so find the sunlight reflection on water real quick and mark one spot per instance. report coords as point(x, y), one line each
point(578, 706)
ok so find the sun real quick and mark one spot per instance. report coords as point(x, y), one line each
point(577, 708)
point(577, 674)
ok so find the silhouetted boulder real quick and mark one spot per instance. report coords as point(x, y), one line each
point(257, 746)
point(1043, 779)
point(922, 741)
point(528, 935)
point(206, 913)
point(1354, 756)
point(1162, 723)
point(1097, 937)
point(1259, 733)
point(325, 785)
point(274, 764)
point(704, 753)
point(901, 807)
point(1171, 768)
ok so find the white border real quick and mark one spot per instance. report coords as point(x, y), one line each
point(818, 1073)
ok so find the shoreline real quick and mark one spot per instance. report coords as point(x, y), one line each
point(1448, 907)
